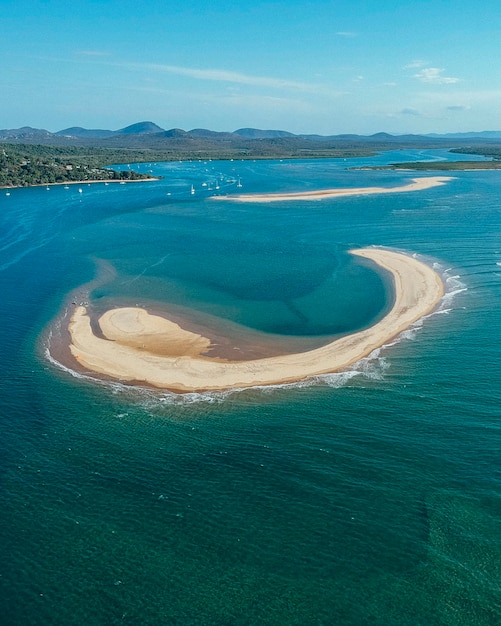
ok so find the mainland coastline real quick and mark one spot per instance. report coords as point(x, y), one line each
point(139, 348)
point(81, 183)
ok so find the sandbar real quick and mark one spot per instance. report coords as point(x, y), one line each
point(417, 184)
point(144, 349)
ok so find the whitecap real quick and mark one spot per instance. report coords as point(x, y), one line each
point(338, 379)
point(373, 366)
point(453, 286)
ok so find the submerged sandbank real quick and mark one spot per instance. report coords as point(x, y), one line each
point(417, 184)
point(141, 348)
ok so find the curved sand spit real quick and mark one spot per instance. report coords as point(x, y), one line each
point(148, 349)
point(417, 184)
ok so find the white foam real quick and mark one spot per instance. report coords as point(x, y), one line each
point(373, 367)
point(143, 394)
point(338, 379)
point(68, 370)
point(453, 286)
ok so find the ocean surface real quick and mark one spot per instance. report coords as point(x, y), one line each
point(371, 496)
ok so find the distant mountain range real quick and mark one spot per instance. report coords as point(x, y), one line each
point(147, 135)
point(485, 134)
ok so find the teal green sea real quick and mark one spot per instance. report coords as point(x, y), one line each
point(371, 496)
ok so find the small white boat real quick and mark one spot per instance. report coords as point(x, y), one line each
point(192, 190)
point(80, 190)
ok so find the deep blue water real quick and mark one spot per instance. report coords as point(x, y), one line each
point(368, 497)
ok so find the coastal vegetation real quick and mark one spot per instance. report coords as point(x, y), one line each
point(441, 166)
point(23, 165)
point(493, 150)
point(34, 157)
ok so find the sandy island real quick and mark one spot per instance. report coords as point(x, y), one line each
point(417, 184)
point(141, 348)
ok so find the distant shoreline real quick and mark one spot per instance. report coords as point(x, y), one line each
point(436, 166)
point(417, 184)
point(82, 182)
point(144, 349)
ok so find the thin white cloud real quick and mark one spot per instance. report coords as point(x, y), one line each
point(230, 78)
point(230, 97)
point(346, 33)
point(263, 102)
point(92, 53)
point(415, 64)
point(434, 76)
point(226, 76)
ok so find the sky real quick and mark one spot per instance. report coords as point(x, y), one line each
point(323, 66)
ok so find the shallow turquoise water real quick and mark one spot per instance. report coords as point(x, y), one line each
point(371, 496)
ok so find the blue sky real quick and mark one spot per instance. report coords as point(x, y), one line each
point(308, 67)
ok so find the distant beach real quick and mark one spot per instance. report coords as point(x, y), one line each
point(417, 184)
point(70, 183)
point(141, 348)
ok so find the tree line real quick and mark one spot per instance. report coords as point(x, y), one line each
point(23, 165)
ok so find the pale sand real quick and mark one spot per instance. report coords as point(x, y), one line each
point(148, 349)
point(418, 184)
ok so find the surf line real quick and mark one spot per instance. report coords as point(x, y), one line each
point(122, 352)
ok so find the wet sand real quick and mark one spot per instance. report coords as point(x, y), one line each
point(417, 184)
point(145, 349)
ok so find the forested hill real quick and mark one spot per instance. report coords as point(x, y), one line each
point(30, 156)
point(255, 143)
